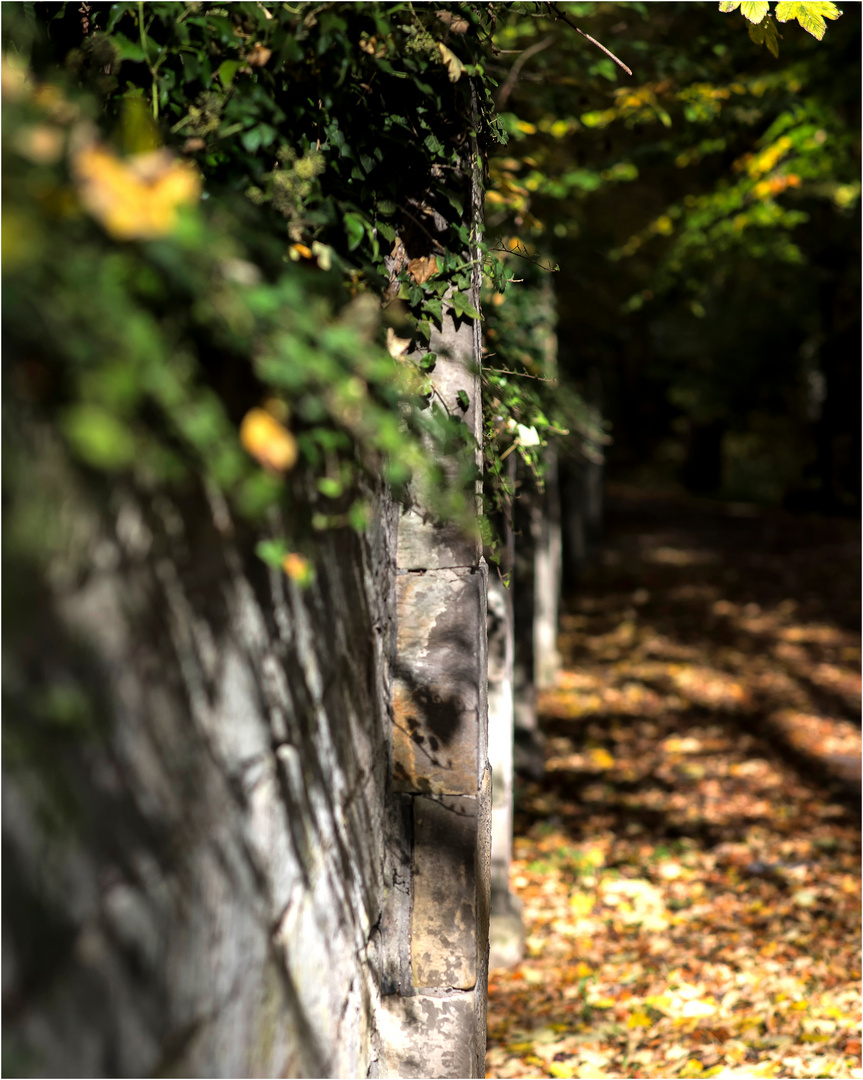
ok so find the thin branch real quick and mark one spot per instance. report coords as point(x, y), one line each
point(512, 78)
point(592, 40)
point(535, 259)
point(520, 375)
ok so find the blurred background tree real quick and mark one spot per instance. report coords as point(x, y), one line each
point(705, 217)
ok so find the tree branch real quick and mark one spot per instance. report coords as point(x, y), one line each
point(507, 87)
point(592, 40)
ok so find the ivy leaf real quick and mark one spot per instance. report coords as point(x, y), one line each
point(259, 136)
point(810, 15)
point(434, 307)
point(463, 400)
point(462, 306)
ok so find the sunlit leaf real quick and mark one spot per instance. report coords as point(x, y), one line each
point(754, 10)
point(454, 66)
point(298, 568)
point(810, 14)
point(134, 198)
point(268, 441)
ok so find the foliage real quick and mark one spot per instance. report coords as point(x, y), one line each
point(810, 14)
point(180, 333)
point(699, 213)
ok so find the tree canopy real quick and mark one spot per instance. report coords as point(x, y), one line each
point(704, 213)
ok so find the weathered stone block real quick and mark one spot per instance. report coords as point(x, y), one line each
point(444, 919)
point(425, 544)
point(437, 680)
point(406, 1024)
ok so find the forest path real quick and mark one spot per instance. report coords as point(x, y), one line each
point(690, 863)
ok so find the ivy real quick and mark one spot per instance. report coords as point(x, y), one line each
point(333, 147)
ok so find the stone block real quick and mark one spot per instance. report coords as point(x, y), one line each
point(437, 680)
point(428, 1035)
point(424, 544)
point(444, 918)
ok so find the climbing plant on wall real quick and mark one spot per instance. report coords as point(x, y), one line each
point(230, 230)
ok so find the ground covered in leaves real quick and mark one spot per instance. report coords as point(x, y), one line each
point(689, 865)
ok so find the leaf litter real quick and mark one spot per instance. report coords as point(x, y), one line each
point(689, 865)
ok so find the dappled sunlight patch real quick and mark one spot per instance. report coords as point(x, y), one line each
point(691, 895)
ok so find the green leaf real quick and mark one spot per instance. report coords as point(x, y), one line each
point(810, 15)
point(754, 10)
point(128, 50)
point(272, 552)
point(259, 136)
point(330, 487)
point(766, 34)
point(728, 5)
point(463, 400)
point(355, 228)
point(462, 306)
point(434, 307)
point(227, 70)
point(98, 437)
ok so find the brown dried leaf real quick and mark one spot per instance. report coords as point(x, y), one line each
point(423, 269)
point(258, 55)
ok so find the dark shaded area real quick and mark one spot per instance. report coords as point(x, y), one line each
point(768, 601)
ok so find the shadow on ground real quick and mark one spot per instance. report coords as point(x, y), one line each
point(689, 863)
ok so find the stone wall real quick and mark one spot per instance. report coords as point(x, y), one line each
point(246, 825)
point(194, 865)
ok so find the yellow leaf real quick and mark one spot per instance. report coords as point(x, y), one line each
point(601, 759)
point(268, 441)
point(396, 346)
point(521, 1048)
point(562, 1070)
point(696, 1009)
point(134, 198)
point(639, 1019)
point(581, 904)
point(454, 66)
point(298, 568)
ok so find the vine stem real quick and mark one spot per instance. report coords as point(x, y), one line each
point(153, 68)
